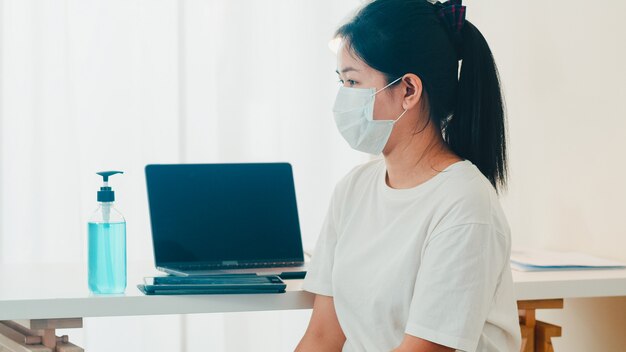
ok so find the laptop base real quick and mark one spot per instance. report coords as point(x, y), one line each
point(288, 270)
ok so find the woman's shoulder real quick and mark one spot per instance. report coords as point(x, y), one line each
point(467, 196)
point(358, 178)
point(466, 183)
point(364, 171)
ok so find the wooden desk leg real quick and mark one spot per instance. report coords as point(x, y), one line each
point(544, 332)
point(527, 324)
point(37, 335)
point(536, 335)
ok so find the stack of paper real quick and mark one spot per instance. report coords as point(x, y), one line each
point(544, 260)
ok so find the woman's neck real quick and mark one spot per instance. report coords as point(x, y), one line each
point(417, 159)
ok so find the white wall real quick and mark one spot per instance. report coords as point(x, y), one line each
point(563, 71)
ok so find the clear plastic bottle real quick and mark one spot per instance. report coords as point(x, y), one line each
point(107, 244)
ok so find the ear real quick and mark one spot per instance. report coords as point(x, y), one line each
point(413, 89)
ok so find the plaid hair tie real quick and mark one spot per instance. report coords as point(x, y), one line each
point(452, 15)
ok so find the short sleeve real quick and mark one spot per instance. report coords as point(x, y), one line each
point(318, 278)
point(455, 285)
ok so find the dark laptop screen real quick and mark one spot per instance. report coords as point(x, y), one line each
point(208, 213)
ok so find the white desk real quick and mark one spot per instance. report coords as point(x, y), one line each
point(56, 291)
point(569, 284)
point(35, 292)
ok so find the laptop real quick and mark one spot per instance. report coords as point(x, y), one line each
point(225, 219)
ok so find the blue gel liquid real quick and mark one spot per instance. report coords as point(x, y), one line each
point(107, 257)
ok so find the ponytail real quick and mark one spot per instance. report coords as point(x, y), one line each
point(476, 131)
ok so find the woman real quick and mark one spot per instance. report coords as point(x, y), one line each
point(414, 251)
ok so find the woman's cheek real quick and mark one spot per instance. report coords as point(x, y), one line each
point(381, 110)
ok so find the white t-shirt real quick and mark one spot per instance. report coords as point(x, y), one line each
point(430, 261)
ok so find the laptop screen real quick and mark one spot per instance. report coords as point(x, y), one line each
point(211, 213)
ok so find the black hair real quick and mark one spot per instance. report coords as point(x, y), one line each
point(396, 37)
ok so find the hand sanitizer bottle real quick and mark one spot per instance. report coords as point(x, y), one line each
point(107, 243)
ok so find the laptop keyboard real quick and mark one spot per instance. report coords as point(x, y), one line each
point(236, 265)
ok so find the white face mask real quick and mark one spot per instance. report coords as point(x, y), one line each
point(354, 116)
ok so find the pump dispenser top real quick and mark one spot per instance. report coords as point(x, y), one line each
point(106, 193)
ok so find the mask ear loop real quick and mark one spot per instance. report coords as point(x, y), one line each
point(385, 87)
point(399, 117)
point(405, 110)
